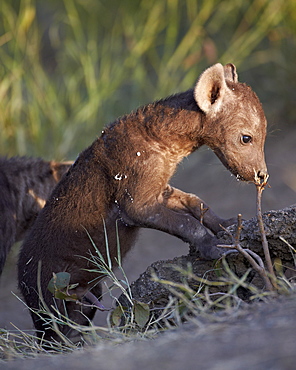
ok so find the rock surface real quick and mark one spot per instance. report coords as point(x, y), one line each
point(280, 228)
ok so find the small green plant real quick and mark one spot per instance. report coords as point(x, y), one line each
point(59, 286)
point(134, 314)
point(124, 320)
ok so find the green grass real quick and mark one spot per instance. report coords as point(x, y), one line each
point(69, 67)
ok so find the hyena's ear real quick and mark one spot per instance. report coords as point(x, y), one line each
point(211, 87)
point(230, 72)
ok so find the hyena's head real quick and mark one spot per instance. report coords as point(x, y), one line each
point(233, 123)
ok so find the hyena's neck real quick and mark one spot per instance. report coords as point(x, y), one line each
point(173, 123)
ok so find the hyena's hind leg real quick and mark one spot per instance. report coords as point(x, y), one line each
point(70, 328)
point(72, 317)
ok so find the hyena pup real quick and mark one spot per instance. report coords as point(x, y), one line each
point(25, 185)
point(121, 184)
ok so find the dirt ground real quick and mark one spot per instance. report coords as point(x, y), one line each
point(204, 175)
point(258, 337)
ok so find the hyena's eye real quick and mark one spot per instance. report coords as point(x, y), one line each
point(246, 139)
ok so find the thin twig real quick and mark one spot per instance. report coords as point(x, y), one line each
point(256, 257)
point(257, 266)
point(238, 229)
point(202, 212)
point(260, 187)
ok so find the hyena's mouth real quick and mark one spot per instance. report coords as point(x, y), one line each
point(231, 169)
point(238, 176)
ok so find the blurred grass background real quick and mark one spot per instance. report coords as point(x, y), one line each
point(68, 67)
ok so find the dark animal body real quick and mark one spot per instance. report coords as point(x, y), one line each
point(120, 184)
point(25, 185)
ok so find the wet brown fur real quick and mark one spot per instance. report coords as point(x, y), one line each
point(122, 180)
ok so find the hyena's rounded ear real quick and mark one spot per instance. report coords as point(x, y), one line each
point(210, 89)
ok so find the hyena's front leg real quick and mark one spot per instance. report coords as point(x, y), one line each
point(163, 214)
point(180, 201)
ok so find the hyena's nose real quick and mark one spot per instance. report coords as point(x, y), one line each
point(262, 175)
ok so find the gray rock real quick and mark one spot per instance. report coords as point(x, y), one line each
point(278, 224)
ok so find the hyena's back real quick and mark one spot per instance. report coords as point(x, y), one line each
point(25, 185)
